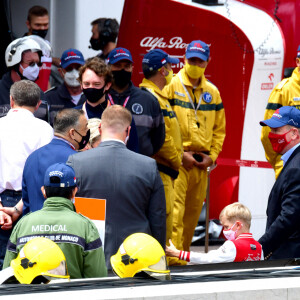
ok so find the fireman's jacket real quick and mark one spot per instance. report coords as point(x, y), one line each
point(207, 132)
point(170, 154)
point(286, 93)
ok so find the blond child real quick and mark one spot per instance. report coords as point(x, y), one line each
point(240, 245)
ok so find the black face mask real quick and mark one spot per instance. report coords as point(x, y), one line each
point(84, 139)
point(96, 44)
point(40, 32)
point(93, 95)
point(121, 78)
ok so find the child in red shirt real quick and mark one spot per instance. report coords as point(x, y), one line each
point(240, 245)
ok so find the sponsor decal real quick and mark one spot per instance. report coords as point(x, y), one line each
point(159, 42)
point(207, 97)
point(270, 51)
point(268, 85)
point(137, 108)
point(56, 173)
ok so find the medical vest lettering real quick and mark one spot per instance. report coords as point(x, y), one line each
point(45, 228)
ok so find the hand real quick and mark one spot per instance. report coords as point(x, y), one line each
point(188, 160)
point(11, 212)
point(5, 221)
point(171, 250)
point(206, 162)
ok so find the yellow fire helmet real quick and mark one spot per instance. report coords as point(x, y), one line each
point(140, 252)
point(40, 257)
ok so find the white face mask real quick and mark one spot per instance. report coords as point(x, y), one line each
point(126, 140)
point(230, 234)
point(71, 78)
point(31, 72)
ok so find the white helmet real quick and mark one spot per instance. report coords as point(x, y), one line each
point(44, 44)
point(13, 53)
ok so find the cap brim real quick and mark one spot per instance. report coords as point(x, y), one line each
point(173, 60)
point(118, 59)
point(79, 62)
point(272, 123)
point(199, 55)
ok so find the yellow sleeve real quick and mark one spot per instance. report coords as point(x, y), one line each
point(219, 131)
point(275, 102)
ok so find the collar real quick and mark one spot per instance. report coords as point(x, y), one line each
point(296, 74)
point(64, 140)
point(58, 203)
point(19, 110)
point(285, 157)
point(114, 140)
point(245, 236)
point(153, 88)
point(124, 94)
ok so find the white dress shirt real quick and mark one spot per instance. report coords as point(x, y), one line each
point(20, 134)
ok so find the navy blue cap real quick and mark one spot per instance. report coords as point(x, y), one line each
point(60, 175)
point(298, 51)
point(157, 58)
point(285, 115)
point(71, 56)
point(197, 49)
point(118, 54)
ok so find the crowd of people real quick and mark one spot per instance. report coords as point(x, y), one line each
point(145, 150)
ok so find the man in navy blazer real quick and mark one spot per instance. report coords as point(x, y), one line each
point(130, 183)
point(282, 237)
point(70, 128)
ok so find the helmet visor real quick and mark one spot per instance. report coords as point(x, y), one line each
point(59, 272)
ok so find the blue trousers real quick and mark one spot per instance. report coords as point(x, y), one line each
point(9, 198)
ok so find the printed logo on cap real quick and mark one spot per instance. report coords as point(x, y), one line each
point(207, 97)
point(197, 47)
point(277, 114)
point(137, 108)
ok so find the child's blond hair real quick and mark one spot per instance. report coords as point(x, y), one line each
point(237, 211)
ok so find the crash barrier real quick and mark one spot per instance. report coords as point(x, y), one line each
point(276, 279)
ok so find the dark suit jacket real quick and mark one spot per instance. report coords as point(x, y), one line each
point(282, 236)
point(132, 187)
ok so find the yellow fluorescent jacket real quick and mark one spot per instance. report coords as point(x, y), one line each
point(170, 154)
point(210, 134)
point(285, 93)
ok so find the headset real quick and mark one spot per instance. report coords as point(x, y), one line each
point(105, 32)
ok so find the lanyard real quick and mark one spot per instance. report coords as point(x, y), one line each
point(111, 100)
point(191, 101)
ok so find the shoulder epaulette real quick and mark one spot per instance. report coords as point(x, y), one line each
point(280, 85)
point(51, 89)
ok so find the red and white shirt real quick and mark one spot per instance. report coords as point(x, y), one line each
point(243, 248)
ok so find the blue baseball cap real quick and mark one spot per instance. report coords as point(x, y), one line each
point(60, 175)
point(157, 58)
point(197, 49)
point(285, 115)
point(71, 56)
point(118, 54)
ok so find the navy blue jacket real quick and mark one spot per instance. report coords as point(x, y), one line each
point(5, 85)
point(282, 236)
point(34, 171)
point(59, 98)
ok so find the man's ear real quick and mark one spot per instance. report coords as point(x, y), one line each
point(107, 86)
point(44, 192)
point(38, 105)
point(28, 25)
point(11, 102)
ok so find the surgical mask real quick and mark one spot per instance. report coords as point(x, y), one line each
point(278, 141)
point(31, 72)
point(230, 234)
point(121, 78)
point(40, 32)
point(95, 44)
point(84, 139)
point(71, 78)
point(169, 77)
point(194, 71)
point(94, 95)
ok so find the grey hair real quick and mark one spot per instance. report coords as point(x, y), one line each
point(25, 93)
